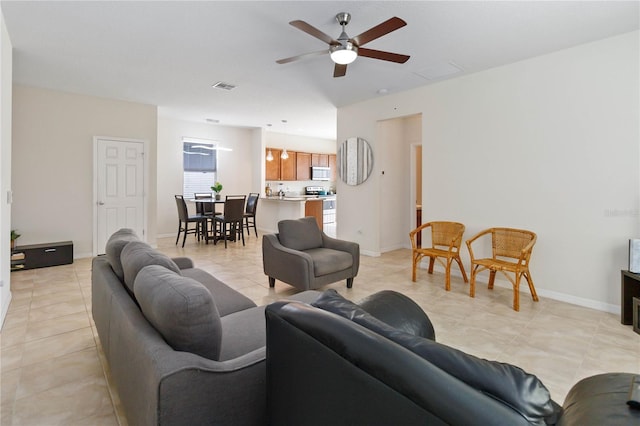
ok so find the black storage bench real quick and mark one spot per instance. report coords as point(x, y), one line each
point(42, 255)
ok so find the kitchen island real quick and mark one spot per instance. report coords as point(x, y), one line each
point(271, 210)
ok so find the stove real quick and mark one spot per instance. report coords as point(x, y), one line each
point(315, 190)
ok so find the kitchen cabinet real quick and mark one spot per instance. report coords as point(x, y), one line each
point(288, 167)
point(273, 167)
point(333, 165)
point(303, 166)
point(320, 160)
point(313, 207)
point(298, 165)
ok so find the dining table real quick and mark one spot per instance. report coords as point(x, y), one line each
point(212, 201)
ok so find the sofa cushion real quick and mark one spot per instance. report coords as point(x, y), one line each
point(227, 299)
point(300, 234)
point(243, 331)
point(327, 261)
point(181, 309)
point(516, 388)
point(114, 246)
point(138, 254)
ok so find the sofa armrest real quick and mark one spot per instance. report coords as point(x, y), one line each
point(600, 400)
point(343, 245)
point(183, 262)
point(285, 264)
point(399, 311)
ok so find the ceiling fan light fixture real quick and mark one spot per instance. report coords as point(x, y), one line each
point(344, 54)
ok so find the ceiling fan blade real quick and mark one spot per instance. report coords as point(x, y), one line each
point(339, 70)
point(371, 34)
point(302, 56)
point(385, 56)
point(313, 31)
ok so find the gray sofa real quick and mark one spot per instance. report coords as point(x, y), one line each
point(301, 255)
point(182, 347)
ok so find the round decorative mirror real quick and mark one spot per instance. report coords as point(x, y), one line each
point(355, 161)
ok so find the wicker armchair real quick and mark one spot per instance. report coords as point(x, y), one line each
point(511, 251)
point(446, 239)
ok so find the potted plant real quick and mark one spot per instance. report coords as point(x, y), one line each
point(14, 237)
point(217, 187)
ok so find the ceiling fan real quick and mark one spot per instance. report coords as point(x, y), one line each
point(345, 50)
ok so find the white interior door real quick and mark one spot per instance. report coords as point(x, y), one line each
point(119, 188)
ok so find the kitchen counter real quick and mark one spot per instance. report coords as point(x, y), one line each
point(299, 197)
point(276, 198)
point(271, 210)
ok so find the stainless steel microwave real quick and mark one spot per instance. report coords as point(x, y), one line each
point(320, 173)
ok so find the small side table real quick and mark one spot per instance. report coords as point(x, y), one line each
point(630, 288)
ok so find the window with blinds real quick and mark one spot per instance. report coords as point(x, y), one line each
point(200, 161)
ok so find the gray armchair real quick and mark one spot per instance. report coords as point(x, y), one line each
point(301, 255)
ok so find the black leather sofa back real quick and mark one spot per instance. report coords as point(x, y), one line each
point(324, 369)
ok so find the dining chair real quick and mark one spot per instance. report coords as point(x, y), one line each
point(184, 219)
point(228, 225)
point(446, 239)
point(250, 212)
point(510, 252)
point(206, 209)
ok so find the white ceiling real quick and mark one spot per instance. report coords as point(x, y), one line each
point(169, 53)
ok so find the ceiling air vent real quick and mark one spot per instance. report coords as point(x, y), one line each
point(223, 85)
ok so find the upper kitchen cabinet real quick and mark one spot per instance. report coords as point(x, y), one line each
point(288, 166)
point(298, 165)
point(280, 168)
point(320, 160)
point(333, 166)
point(303, 166)
point(273, 167)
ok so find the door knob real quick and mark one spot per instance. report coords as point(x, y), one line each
point(100, 203)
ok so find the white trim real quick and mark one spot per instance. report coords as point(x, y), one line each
point(550, 294)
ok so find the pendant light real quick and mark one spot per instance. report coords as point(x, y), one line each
point(284, 154)
point(269, 156)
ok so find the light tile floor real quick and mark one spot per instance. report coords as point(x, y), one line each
point(52, 369)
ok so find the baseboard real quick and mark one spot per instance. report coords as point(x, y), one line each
point(82, 255)
point(5, 307)
point(550, 294)
point(580, 301)
point(394, 247)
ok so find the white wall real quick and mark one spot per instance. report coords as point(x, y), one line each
point(5, 167)
point(238, 170)
point(52, 161)
point(549, 144)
